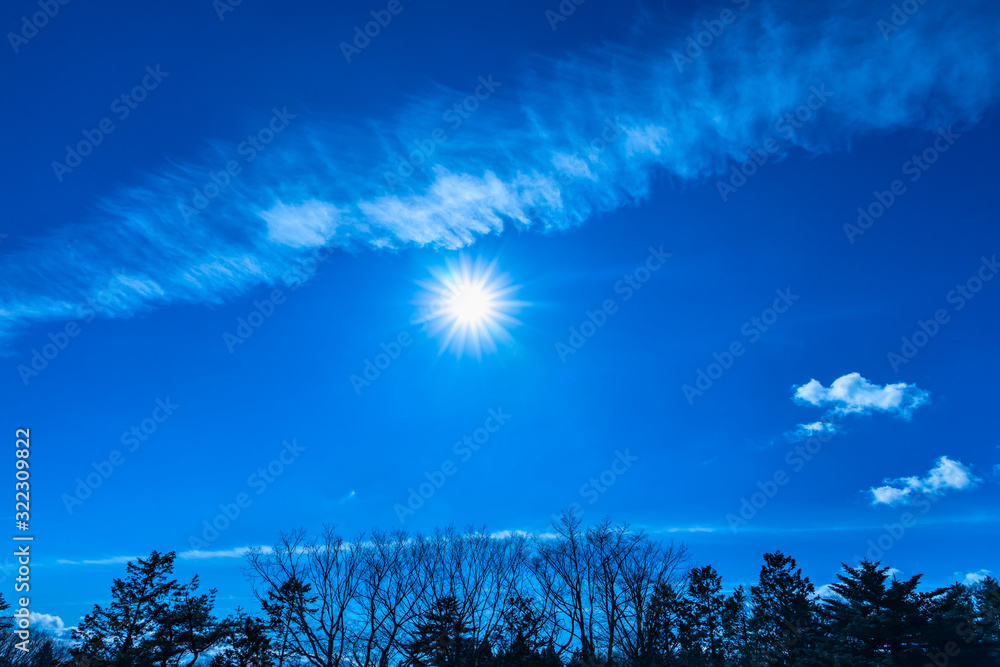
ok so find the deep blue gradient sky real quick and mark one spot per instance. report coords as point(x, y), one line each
point(116, 215)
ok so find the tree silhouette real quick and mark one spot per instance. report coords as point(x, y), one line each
point(247, 643)
point(441, 637)
point(783, 612)
point(118, 636)
point(665, 623)
point(876, 621)
point(739, 641)
point(185, 628)
point(703, 625)
point(604, 596)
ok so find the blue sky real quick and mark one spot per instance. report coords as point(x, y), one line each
point(592, 158)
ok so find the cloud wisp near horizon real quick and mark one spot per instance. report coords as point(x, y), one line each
point(571, 138)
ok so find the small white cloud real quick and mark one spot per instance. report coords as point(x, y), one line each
point(853, 394)
point(973, 578)
point(887, 495)
point(311, 224)
point(805, 431)
point(946, 475)
point(996, 470)
point(54, 625)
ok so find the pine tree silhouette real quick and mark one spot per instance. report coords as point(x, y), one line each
point(441, 637)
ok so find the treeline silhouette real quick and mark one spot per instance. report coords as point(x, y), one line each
point(605, 595)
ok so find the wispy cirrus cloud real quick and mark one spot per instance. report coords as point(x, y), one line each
point(194, 554)
point(582, 135)
point(946, 475)
point(236, 552)
point(113, 560)
point(853, 394)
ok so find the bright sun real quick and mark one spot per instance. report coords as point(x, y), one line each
point(469, 305)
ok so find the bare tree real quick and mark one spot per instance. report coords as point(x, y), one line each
point(584, 591)
point(600, 582)
point(562, 567)
point(317, 581)
point(393, 585)
point(647, 565)
point(481, 571)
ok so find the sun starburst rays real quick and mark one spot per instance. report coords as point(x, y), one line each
point(470, 306)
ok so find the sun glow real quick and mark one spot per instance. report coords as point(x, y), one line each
point(469, 305)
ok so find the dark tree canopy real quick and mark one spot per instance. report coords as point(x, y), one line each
point(599, 596)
